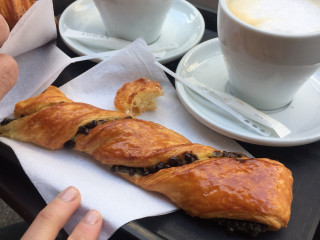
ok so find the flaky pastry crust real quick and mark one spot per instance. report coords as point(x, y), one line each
point(201, 180)
point(48, 98)
point(258, 190)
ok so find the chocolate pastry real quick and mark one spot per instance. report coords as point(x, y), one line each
point(201, 180)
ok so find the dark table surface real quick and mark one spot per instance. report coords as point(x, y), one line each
point(304, 162)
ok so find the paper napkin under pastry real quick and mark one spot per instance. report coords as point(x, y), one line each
point(117, 200)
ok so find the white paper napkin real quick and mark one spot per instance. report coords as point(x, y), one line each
point(51, 171)
point(35, 29)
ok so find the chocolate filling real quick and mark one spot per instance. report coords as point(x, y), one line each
point(91, 124)
point(218, 154)
point(235, 225)
point(6, 121)
point(172, 162)
point(175, 161)
point(69, 144)
point(85, 129)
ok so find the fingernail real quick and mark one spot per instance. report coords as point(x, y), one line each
point(68, 194)
point(92, 217)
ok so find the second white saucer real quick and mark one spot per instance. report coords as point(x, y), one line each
point(206, 64)
point(184, 26)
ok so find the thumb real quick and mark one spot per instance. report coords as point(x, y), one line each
point(9, 72)
point(4, 30)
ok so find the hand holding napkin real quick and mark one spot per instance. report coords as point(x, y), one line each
point(31, 43)
point(118, 201)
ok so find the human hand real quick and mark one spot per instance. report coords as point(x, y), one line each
point(55, 215)
point(9, 70)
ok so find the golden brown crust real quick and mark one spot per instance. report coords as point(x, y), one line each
point(257, 190)
point(53, 126)
point(135, 143)
point(138, 96)
point(50, 97)
point(212, 185)
point(13, 10)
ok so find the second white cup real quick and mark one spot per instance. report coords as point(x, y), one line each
point(266, 68)
point(132, 19)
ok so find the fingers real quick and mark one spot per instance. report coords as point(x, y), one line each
point(8, 66)
point(88, 228)
point(9, 72)
point(4, 30)
point(54, 216)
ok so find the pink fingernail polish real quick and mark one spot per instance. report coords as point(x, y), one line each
point(68, 194)
point(92, 217)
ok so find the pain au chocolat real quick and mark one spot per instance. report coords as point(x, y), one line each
point(201, 180)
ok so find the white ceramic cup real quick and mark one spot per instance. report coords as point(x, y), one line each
point(132, 19)
point(265, 69)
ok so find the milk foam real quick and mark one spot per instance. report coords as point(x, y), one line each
point(281, 16)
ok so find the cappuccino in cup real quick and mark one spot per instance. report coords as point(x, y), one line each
point(279, 16)
point(270, 47)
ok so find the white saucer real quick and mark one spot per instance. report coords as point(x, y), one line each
point(184, 25)
point(205, 63)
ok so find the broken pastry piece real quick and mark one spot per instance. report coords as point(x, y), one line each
point(136, 97)
point(246, 194)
